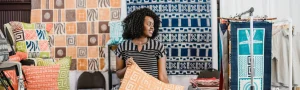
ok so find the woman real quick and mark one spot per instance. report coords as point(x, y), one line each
point(140, 29)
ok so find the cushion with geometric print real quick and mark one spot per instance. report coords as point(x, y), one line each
point(137, 79)
point(63, 77)
point(32, 39)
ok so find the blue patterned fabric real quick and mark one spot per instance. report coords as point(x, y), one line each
point(185, 32)
point(240, 63)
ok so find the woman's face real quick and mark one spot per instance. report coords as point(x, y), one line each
point(148, 26)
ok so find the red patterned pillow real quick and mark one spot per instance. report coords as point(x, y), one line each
point(41, 77)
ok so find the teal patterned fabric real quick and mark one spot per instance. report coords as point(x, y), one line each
point(240, 59)
point(116, 31)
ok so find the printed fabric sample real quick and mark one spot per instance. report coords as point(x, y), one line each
point(31, 38)
point(185, 32)
point(136, 79)
point(240, 55)
point(41, 77)
point(80, 29)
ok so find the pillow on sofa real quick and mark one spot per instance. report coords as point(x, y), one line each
point(63, 77)
point(41, 77)
point(32, 39)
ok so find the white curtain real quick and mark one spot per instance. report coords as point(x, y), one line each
point(272, 8)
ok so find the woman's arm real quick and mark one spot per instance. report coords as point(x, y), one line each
point(162, 72)
point(121, 69)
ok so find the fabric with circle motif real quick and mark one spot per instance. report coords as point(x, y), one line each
point(77, 28)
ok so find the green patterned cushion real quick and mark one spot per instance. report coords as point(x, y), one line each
point(63, 79)
point(32, 39)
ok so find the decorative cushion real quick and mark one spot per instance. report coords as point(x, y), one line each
point(32, 39)
point(11, 74)
point(45, 59)
point(137, 79)
point(18, 56)
point(63, 77)
point(41, 77)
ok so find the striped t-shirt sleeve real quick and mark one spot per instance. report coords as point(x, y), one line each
point(118, 51)
point(161, 50)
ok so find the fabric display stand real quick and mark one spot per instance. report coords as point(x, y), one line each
point(250, 51)
point(263, 47)
point(240, 59)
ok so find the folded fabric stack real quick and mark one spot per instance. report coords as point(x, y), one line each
point(205, 82)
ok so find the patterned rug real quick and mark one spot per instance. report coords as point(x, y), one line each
point(185, 31)
point(81, 28)
point(240, 70)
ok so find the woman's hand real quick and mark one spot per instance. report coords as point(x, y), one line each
point(129, 62)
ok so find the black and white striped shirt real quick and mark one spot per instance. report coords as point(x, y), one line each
point(147, 58)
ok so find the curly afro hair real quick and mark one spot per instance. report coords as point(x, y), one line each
point(133, 24)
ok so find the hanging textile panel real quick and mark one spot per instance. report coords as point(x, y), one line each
point(80, 28)
point(185, 32)
point(241, 63)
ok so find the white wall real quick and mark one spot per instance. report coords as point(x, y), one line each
point(273, 8)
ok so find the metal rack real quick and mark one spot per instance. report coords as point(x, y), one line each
point(110, 72)
point(109, 69)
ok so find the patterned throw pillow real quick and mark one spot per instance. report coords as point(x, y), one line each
point(63, 77)
point(32, 39)
point(41, 77)
point(137, 79)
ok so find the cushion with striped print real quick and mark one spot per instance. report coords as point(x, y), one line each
point(4, 54)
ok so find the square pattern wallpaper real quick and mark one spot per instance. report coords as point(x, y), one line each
point(80, 28)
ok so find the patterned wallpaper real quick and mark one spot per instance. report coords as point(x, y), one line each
point(80, 28)
point(185, 32)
